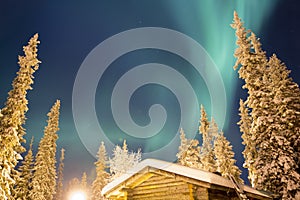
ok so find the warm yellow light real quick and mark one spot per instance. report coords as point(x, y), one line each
point(78, 195)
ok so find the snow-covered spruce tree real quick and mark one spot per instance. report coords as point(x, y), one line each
point(44, 177)
point(83, 182)
point(273, 100)
point(188, 152)
point(287, 101)
point(225, 161)
point(207, 130)
point(282, 124)
point(182, 149)
point(250, 152)
point(59, 186)
point(102, 176)
point(122, 160)
point(213, 131)
point(252, 69)
point(204, 123)
point(13, 117)
point(84, 185)
point(23, 183)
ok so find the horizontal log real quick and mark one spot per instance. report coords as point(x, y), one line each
point(180, 197)
point(160, 185)
point(167, 190)
point(163, 195)
point(157, 182)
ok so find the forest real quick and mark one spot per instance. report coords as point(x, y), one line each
point(269, 125)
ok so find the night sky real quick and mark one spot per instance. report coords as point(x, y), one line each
point(73, 34)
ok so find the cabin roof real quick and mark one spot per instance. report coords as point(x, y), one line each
point(150, 165)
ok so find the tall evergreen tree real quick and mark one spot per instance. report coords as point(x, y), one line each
point(59, 187)
point(287, 101)
point(44, 178)
point(250, 151)
point(23, 183)
point(83, 182)
point(84, 185)
point(13, 117)
point(282, 126)
point(225, 161)
point(189, 152)
point(252, 68)
point(182, 149)
point(213, 131)
point(122, 160)
point(204, 123)
point(102, 176)
point(273, 100)
point(207, 130)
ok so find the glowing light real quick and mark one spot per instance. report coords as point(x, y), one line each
point(78, 195)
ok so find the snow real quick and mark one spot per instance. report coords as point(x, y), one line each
point(179, 170)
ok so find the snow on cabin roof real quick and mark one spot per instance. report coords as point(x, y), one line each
point(192, 173)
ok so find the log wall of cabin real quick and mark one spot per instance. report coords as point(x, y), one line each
point(169, 187)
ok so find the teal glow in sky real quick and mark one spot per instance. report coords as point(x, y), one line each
point(70, 30)
point(214, 33)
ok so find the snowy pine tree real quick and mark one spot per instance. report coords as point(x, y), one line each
point(59, 187)
point(208, 131)
point(287, 101)
point(83, 182)
point(253, 67)
point(84, 185)
point(13, 117)
point(273, 100)
point(102, 176)
point(209, 158)
point(189, 152)
point(182, 149)
point(250, 152)
point(282, 125)
point(44, 177)
point(122, 160)
point(225, 161)
point(23, 183)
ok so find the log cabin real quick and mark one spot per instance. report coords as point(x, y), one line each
point(159, 180)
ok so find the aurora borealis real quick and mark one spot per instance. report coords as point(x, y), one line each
point(70, 30)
